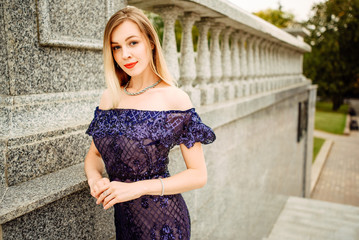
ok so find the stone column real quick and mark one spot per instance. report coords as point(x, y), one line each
point(267, 65)
point(244, 63)
point(203, 62)
point(257, 66)
point(216, 62)
point(228, 91)
point(236, 68)
point(187, 61)
point(275, 66)
point(272, 65)
point(262, 56)
point(250, 59)
point(169, 15)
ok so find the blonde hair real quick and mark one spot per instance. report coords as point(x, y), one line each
point(115, 76)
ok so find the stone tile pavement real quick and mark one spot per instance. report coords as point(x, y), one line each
point(333, 211)
point(308, 219)
point(339, 180)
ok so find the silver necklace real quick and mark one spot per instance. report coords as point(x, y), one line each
point(143, 90)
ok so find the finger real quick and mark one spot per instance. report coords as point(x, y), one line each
point(101, 189)
point(110, 204)
point(102, 196)
point(108, 199)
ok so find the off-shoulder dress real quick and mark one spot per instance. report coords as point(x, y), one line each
point(134, 145)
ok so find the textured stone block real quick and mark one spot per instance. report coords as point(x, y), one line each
point(5, 120)
point(62, 23)
point(28, 161)
point(4, 74)
point(35, 69)
point(3, 184)
point(73, 217)
point(41, 113)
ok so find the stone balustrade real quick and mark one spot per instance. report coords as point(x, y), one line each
point(243, 59)
point(245, 80)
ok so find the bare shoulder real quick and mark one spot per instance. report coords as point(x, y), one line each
point(106, 101)
point(178, 99)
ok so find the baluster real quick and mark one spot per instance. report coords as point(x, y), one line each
point(256, 85)
point(244, 63)
point(264, 65)
point(228, 91)
point(203, 62)
point(216, 62)
point(236, 68)
point(187, 61)
point(169, 15)
point(251, 70)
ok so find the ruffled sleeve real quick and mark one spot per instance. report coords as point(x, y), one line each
point(92, 129)
point(106, 123)
point(194, 130)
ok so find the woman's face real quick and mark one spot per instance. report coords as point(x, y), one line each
point(130, 49)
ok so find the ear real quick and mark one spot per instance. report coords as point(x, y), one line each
point(152, 46)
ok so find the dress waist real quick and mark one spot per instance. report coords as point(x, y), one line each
point(141, 177)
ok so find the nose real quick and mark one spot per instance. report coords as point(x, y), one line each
point(126, 53)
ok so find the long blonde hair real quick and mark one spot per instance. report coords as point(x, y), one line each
point(115, 76)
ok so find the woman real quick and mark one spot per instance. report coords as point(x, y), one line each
point(141, 116)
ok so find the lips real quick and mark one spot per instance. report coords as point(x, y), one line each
point(130, 65)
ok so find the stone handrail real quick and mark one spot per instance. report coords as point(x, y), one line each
point(253, 56)
point(49, 92)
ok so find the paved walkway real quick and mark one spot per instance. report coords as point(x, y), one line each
point(339, 180)
point(308, 219)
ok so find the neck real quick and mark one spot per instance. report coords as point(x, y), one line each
point(143, 80)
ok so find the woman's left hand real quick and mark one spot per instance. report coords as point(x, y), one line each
point(119, 192)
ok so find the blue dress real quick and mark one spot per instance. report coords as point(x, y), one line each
point(134, 145)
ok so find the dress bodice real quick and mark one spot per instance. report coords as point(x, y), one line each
point(134, 144)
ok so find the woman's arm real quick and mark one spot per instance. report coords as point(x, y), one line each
point(195, 176)
point(94, 168)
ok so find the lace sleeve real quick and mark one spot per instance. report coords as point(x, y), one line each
point(91, 130)
point(105, 123)
point(194, 130)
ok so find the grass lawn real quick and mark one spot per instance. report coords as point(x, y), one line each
point(328, 120)
point(318, 142)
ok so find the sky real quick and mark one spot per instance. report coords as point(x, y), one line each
point(300, 8)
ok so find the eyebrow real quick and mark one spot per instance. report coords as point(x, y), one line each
point(125, 39)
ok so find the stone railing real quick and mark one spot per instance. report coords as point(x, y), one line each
point(252, 56)
point(51, 76)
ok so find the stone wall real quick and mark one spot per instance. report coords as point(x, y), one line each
point(51, 77)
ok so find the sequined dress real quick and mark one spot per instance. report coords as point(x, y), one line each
point(134, 145)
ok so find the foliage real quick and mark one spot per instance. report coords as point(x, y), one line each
point(334, 37)
point(328, 120)
point(318, 142)
point(277, 17)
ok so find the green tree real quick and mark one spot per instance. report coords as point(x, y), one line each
point(334, 37)
point(277, 17)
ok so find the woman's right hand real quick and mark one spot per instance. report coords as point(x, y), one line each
point(98, 186)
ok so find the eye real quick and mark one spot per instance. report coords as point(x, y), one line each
point(116, 47)
point(133, 43)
